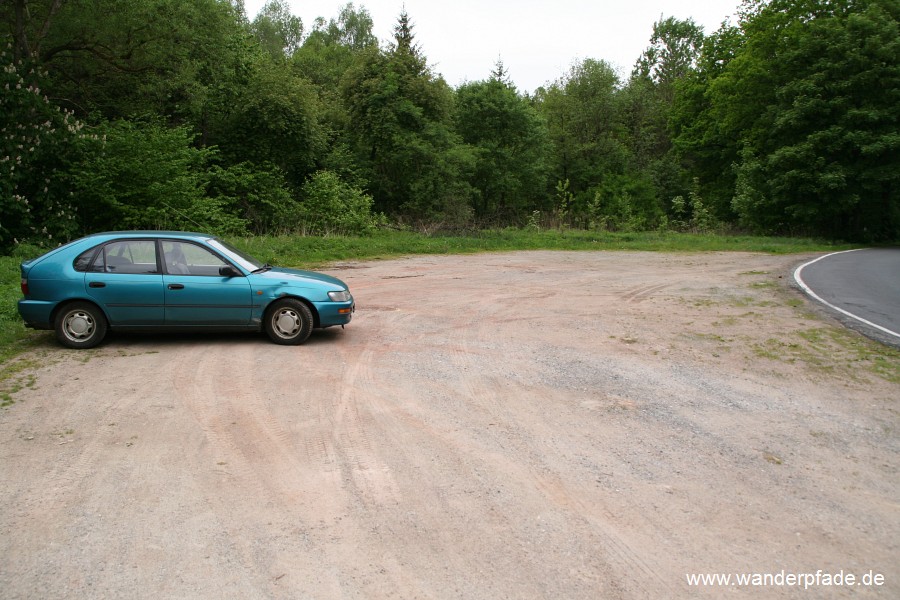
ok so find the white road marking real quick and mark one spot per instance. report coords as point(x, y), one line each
point(813, 295)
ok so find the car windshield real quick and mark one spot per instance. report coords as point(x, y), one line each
point(244, 260)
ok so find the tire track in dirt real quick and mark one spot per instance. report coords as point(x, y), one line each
point(638, 294)
point(78, 458)
point(484, 392)
point(631, 567)
point(247, 440)
point(254, 451)
point(351, 424)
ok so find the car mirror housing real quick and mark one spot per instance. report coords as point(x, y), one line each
point(229, 271)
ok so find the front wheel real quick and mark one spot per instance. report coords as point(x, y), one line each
point(80, 325)
point(289, 322)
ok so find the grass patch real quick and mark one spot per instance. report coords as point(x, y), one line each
point(17, 375)
point(296, 251)
point(834, 350)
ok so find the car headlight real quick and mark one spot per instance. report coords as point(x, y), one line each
point(343, 296)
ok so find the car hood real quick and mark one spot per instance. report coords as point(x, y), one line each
point(298, 276)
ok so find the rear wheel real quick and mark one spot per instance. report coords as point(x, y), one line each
point(80, 325)
point(289, 322)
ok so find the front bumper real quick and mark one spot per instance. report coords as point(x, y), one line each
point(335, 313)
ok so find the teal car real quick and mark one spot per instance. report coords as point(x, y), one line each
point(161, 280)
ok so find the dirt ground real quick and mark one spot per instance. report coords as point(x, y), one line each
point(523, 425)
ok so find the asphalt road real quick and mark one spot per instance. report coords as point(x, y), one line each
point(861, 287)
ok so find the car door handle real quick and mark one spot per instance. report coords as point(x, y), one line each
point(96, 284)
point(176, 286)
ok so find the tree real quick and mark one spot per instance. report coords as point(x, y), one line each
point(648, 99)
point(38, 145)
point(401, 132)
point(673, 52)
point(257, 194)
point(330, 205)
point(331, 47)
point(511, 147)
point(582, 114)
point(650, 94)
point(29, 24)
point(404, 42)
point(813, 100)
point(148, 176)
point(275, 121)
point(120, 58)
point(327, 54)
point(279, 32)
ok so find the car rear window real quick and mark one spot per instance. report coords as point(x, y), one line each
point(83, 262)
point(130, 257)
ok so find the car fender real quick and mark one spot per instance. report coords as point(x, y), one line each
point(271, 293)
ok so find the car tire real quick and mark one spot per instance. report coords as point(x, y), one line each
point(289, 322)
point(80, 325)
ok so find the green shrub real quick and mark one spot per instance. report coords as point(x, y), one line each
point(331, 206)
point(257, 195)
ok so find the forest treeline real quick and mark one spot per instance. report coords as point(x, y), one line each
point(187, 114)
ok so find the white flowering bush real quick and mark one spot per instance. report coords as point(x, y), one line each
point(38, 143)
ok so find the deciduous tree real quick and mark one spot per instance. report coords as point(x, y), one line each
point(511, 147)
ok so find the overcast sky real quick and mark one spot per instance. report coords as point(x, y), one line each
point(537, 40)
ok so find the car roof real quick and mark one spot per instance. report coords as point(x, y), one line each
point(88, 241)
point(151, 233)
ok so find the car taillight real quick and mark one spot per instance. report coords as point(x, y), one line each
point(24, 287)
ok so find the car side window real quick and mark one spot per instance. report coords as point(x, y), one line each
point(183, 258)
point(127, 256)
point(83, 262)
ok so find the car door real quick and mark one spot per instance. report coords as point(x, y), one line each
point(196, 295)
point(125, 279)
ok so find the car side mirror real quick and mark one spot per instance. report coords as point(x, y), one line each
point(229, 271)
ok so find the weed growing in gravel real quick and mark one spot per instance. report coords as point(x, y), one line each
point(834, 350)
point(16, 376)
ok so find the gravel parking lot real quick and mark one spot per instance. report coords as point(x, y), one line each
point(519, 425)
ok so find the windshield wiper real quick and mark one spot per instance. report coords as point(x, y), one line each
point(262, 269)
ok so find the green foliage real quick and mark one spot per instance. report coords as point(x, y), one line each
point(692, 214)
point(510, 146)
point(122, 58)
point(402, 136)
point(331, 206)
point(623, 203)
point(787, 120)
point(701, 137)
point(563, 203)
point(332, 47)
point(279, 32)
point(581, 111)
point(38, 144)
point(807, 108)
point(648, 100)
point(256, 196)
point(148, 176)
point(276, 121)
point(674, 49)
